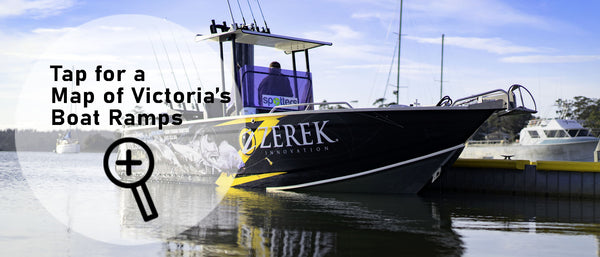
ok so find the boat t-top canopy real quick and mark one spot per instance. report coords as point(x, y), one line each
point(284, 43)
point(262, 88)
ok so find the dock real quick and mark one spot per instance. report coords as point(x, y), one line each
point(522, 177)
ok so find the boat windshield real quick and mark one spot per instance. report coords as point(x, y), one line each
point(555, 133)
point(533, 134)
point(263, 88)
point(579, 132)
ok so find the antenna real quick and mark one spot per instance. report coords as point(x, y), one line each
point(387, 84)
point(182, 64)
point(243, 18)
point(399, 45)
point(194, 63)
point(231, 13)
point(251, 12)
point(170, 64)
point(442, 68)
point(159, 69)
point(267, 30)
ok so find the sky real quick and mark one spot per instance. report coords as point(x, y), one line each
point(550, 47)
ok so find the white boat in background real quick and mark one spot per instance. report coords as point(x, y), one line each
point(67, 144)
point(542, 139)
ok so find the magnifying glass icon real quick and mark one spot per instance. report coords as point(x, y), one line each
point(137, 185)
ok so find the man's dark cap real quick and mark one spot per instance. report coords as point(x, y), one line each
point(275, 65)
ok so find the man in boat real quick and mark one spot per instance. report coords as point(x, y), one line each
point(275, 84)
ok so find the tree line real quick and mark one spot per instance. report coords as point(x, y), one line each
point(581, 108)
point(502, 127)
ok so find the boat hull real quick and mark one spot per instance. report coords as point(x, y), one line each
point(67, 148)
point(369, 150)
point(582, 151)
point(407, 177)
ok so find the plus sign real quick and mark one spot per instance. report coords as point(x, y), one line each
point(128, 162)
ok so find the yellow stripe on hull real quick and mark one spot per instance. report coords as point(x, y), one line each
point(246, 179)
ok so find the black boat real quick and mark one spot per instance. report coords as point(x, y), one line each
point(280, 142)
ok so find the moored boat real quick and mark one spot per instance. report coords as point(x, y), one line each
point(67, 144)
point(541, 139)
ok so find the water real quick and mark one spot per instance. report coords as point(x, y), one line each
point(255, 223)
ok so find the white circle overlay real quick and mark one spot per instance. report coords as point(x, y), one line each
point(74, 187)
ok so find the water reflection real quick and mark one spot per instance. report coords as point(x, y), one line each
point(522, 213)
point(180, 206)
point(257, 223)
point(75, 190)
point(248, 223)
point(517, 225)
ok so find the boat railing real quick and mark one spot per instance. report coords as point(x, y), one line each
point(513, 99)
point(488, 142)
point(309, 104)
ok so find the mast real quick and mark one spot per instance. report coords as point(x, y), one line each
point(442, 69)
point(399, 44)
